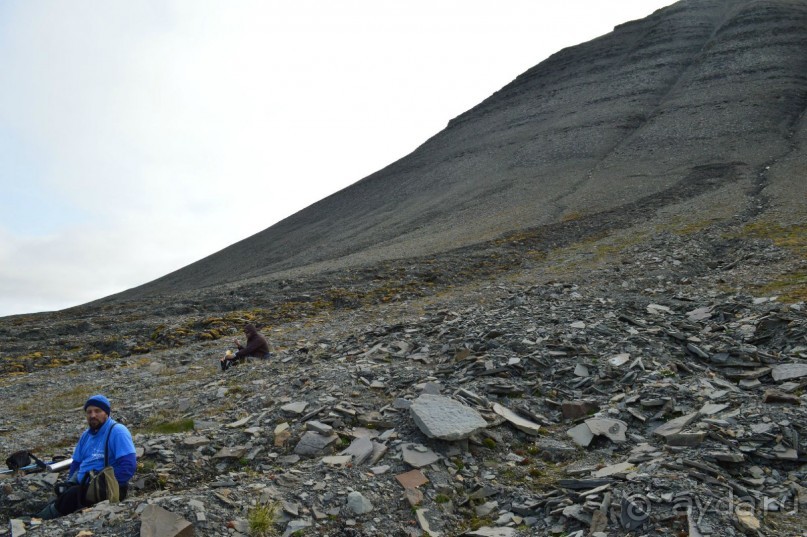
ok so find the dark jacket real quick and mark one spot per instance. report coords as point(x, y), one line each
point(256, 344)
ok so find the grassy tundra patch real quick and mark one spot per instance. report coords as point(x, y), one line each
point(791, 285)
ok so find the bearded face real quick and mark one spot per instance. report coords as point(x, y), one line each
point(95, 417)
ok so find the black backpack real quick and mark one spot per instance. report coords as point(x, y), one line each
point(22, 459)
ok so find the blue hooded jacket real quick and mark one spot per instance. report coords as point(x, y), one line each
point(89, 452)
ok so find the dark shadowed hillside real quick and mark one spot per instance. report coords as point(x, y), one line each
point(702, 94)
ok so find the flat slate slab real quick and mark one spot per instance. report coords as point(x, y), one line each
point(196, 441)
point(337, 460)
point(418, 456)
point(517, 421)
point(613, 429)
point(789, 371)
point(159, 522)
point(234, 452)
point(444, 418)
point(676, 425)
point(621, 468)
point(581, 435)
point(358, 504)
point(297, 407)
point(486, 531)
point(312, 444)
point(360, 449)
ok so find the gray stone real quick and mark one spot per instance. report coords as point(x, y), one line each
point(425, 524)
point(552, 450)
point(685, 439)
point(577, 512)
point(358, 504)
point(657, 309)
point(379, 450)
point(676, 425)
point(789, 371)
point(281, 427)
point(288, 460)
point(240, 423)
point(613, 429)
point(581, 435)
point(295, 408)
point(234, 452)
point(158, 522)
point(486, 508)
point(699, 314)
point(709, 409)
point(446, 419)
point(195, 441)
point(572, 410)
point(432, 388)
point(787, 454)
point(401, 404)
point(292, 508)
point(17, 527)
point(748, 522)
point(621, 468)
point(487, 531)
point(296, 525)
point(749, 384)
point(619, 360)
point(318, 427)
point(483, 492)
point(313, 444)
point(413, 496)
point(380, 470)
point(762, 428)
point(337, 460)
point(724, 456)
point(360, 449)
point(375, 420)
point(599, 522)
point(517, 421)
point(418, 456)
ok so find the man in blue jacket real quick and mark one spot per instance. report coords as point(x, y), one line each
point(104, 435)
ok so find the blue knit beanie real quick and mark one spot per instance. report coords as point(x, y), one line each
point(100, 401)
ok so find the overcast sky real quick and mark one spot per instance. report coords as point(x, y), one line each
point(139, 136)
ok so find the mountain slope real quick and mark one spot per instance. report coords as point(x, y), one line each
point(706, 91)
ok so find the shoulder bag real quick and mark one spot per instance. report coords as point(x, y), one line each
point(102, 485)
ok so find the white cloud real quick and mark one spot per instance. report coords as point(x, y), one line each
point(136, 136)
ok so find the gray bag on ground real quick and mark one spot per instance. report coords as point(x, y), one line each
point(103, 485)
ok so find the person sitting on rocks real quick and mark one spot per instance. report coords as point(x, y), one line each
point(256, 346)
point(104, 439)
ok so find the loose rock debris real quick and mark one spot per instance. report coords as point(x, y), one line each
point(520, 409)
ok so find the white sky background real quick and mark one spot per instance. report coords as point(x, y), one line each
point(138, 137)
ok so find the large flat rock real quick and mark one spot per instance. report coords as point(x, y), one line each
point(444, 418)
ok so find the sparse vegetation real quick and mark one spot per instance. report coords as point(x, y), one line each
point(262, 519)
point(165, 422)
point(791, 285)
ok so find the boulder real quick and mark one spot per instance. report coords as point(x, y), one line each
point(444, 418)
